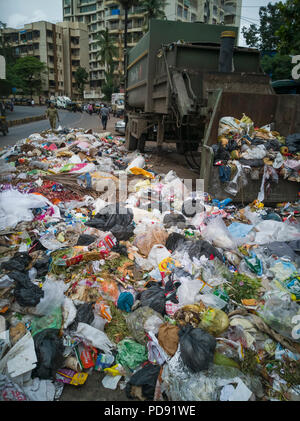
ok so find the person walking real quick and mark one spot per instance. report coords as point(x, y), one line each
point(104, 115)
point(52, 115)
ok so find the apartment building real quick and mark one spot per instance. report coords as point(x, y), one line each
point(101, 14)
point(75, 53)
point(62, 47)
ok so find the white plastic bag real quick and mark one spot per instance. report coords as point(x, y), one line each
point(217, 233)
point(53, 297)
point(16, 207)
point(97, 338)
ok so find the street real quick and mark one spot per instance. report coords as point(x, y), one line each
point(23, 111)
point(68, 119)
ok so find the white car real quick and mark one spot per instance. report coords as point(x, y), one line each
point(120, 127)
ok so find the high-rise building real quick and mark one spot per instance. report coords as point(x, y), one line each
point(101, 14)
point(62, 47)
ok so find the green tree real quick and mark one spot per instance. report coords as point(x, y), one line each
point(108, 50)
point(278, 66)
point(263, 36)
point(154, 9)
point(6, 50)
point(29, 71)
point(288, 33)
point(81, 78)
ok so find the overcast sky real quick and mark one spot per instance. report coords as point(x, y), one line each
point(18, 12)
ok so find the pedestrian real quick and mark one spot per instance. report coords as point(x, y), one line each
point(104, 114)
point(32, 102)
point(90, 109)
point(52, 114)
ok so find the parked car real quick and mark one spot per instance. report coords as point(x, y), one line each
point(120, 127)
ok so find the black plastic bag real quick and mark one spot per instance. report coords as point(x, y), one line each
point(42, 266)
point(171, 219)
point(122, 233)
point(154, 297)
point(26, 292)
point(197, 348)
point(175, 241)
point(192, 206)
point(49, 350)
point(18, 262)
point(85, 240)
point(116, 219)
point(85, 314)
point(146, 378)
point(201, 247)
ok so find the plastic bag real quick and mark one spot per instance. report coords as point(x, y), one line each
point(146, 379)
point(197, 348)
point(53, 320)
point(15, 207)
point(97, 338)
point(155, 235)
point(125, 301)
point(49, 350)
point(154, 297)
point(152, 324)
point(188, 291)
point(157, 254)
point(131, 354)
point(85, 314)
point(10, 391)
point(214, 321)
point(217, 233)
point(116, 219)
point(27, 294)
point(168, 338)
point(233, 186)
point(278, 312)
point(53, 297)
point(136, 322)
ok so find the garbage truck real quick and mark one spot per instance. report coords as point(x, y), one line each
point(182, 78)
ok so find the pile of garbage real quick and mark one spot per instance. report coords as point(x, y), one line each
point(244, 148)
point(109, 268)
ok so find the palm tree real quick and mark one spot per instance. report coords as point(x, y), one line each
point(108, 50)
point(154, 9)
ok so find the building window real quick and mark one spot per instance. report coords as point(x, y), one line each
point(85, 9)
point(185, 13)
point(179, 11)
point(67, 10)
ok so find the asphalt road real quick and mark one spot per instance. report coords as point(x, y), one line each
point(23, 111)
point(68, 119)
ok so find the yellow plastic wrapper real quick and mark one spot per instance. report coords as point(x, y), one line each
point(140, 171)
point(214, 321)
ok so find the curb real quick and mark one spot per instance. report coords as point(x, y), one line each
point(26, 120)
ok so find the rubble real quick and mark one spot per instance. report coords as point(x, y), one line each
point(108, 267)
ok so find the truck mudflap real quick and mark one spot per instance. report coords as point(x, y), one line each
point(262, 109)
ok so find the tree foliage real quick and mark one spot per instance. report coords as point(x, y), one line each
point(278, 67)
point(81, 78)
point(288, 33)
point(29, 71)
point(154, 9)
point(277, 31)
point(108, 50)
